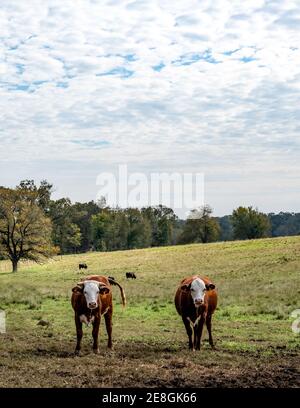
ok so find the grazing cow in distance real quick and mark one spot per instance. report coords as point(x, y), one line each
point(196, 301)
point(91, 299)
point(130, 275)
point(82, 266)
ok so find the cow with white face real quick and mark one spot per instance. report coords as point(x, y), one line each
point(91, 291)
point(91, 299)
point(198, 290)
point(196, 301)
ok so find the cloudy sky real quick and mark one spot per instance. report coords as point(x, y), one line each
point(189, 86)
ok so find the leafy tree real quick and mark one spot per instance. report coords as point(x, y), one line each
point(139, 233)
point(200, 227)
point(100, 225)
point(162, 220)
point(25, 231)
point(42, 193)
point(66, 234)
point(110, 230)
point(226, 230)
point(116, 229)
point(285, 223)
point(249, 223)
point(177, 231)
point(81, 215)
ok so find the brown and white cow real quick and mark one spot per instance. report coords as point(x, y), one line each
point(196, 301)
point(91, 299)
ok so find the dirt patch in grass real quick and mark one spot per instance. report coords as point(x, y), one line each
point(139, 365)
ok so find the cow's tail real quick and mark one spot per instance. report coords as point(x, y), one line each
point(113, 282)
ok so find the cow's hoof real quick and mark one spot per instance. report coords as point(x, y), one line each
point(96, 351)
point(77, 352)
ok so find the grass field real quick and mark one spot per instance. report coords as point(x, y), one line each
point(258, 284)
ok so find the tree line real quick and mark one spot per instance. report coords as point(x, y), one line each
point(34, 226)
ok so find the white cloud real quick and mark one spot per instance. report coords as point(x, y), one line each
point(222, 100)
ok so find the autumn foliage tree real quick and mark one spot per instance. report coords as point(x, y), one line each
point(25, 230)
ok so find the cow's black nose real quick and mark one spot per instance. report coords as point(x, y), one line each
point(92, 305)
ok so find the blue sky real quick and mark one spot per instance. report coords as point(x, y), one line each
point(207, 87)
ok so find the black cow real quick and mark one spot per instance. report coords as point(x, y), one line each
point(130, 275)
point(82, 266)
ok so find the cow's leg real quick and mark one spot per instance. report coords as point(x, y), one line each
point(208, 325)
point(108, 324)
point(189, 332)
point(96, 325)
point(79, 333)
point(198, 332)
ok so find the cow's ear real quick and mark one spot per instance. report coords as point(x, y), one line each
point(186, 288)
point(103, 289)
point(77, 289)
point(210, 286)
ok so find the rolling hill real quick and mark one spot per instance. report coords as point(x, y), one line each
point(258, 283)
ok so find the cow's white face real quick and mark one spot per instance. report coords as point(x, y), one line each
point(91, 291)
point(198, 290)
